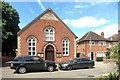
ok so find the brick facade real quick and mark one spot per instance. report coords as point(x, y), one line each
point(37, 27)
point(84, 48)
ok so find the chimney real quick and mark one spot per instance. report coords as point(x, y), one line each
point(102, 34)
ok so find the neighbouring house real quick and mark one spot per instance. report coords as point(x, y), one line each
point(92, 46)
point(47, 36)
point(113, 40)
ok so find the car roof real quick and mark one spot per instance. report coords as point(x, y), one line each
point(81, 58)
point(27, 56)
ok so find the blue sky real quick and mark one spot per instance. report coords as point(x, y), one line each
point(80, 17)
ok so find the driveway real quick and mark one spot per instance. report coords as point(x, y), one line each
point(99, 69)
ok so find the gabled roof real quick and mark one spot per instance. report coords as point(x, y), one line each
point(114, 38)
point(41, 16)
point(92, 36)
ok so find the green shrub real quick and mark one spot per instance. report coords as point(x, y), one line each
point(113, 76)
point(99, 58)
point(109, 76)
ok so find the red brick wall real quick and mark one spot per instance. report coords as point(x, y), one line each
point(37, 29)
point(85, 48)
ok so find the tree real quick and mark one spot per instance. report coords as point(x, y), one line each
point(10, 21)
point(108, 54)
point(116, 56)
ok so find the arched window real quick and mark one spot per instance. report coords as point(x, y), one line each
point(65, 47)
point(31, 46)
point(49, 34)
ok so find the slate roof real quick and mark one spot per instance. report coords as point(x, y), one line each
point(92, 36)
point(37, 18)
point(114, 38)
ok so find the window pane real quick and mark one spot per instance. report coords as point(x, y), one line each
point(66, 45)
point(29, 53)
point(63, 49)
point(47, 38)
point(33, 53)
point(33, 48)
point(51, 38)
point(66, 41)
point(33, 44)
point(29, 40)
point(66, 52)
point(33, 39)
point(29, 44)
point(46, 30)
point(49, 34)
point(51, 30)
point(29, 48)
point(63, 52)
point(66, 49)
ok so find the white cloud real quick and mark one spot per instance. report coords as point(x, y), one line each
point(54, 3)
point(87, 21)
point(93, 4)
point(39, 2)
point(56, 8)
point(108, 30)
point(80, 12)
point(69, 12)
point(78, 6)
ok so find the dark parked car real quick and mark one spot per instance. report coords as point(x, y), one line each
point(22, 64)
point(77, 63)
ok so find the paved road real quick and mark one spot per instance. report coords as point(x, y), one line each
point(100, 68)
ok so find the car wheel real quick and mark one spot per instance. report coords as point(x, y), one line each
point(69, 68)
point(50, 68)
point(22, 70)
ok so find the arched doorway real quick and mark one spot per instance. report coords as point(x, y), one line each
point(49, 53)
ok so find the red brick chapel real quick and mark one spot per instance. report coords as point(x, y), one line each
point(47, 36)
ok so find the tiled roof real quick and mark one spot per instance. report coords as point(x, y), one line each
point(114, 38)
point(92, 36)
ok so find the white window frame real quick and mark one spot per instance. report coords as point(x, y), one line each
point(66, 48)
point(109, 45)
point(48, 34)
point(91, 42)
point(30, 41)
point(101, 54)
point(104, 43)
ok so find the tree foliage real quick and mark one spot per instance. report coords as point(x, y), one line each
point(116, 53)
point(10, 21)
point(116, 56)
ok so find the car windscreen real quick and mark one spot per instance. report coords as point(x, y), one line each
point(18, 59)
point(72, 60)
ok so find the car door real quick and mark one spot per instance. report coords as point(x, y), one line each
point(38, 63)
point(75, 63)
point(34, 63)
point(85, 62)
point(82, 63)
